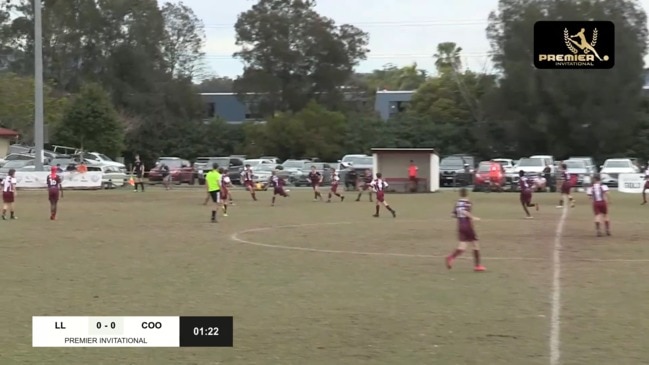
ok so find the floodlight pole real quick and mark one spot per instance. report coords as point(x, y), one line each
point(38, 86)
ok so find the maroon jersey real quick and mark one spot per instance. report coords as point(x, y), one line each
point(314, 177)
point(464, 223)
point(53, 182)
point(379, 185)
point(247, 175)
point(276, 182)
point(597, 192)
point(524, 184)
point(367, 179)
point(565, 175)
point(461, 207)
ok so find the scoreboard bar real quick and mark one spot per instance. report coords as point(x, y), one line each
point(132, 331)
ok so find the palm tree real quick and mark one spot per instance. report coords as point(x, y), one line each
point(448, 57)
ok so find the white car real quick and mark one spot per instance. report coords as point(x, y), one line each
point(507, 164)
point(257, 162)
point(101, 159)
point(262, 173)
point(531, 166)
point(613, 167)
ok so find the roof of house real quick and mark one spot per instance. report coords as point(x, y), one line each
point(4, 132)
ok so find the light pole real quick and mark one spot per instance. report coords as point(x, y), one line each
point(38, 86)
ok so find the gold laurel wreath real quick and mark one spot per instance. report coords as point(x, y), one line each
point(566, 40)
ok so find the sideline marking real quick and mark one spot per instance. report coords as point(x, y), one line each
point(236, 238)
point(555, 313)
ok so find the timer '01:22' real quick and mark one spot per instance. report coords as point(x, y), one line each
point(206, 331)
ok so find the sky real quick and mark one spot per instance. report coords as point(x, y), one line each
point(401, 32)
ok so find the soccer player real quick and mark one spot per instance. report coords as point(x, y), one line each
point(213, 183)
point(9, 195)
point(526, 187)
point(599, 194)
point(225, 189)
point(646, 186)
point(366, 185)
point(412, 176)
point(138, 173)
point(54, 190)
point(466, 232)
point(315, 179)
point(247, 177)
point(566, 186)
point(277, 183)
point(166, 176)
point(335, 182)
point(379, 185)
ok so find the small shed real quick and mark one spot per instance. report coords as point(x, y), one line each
point(393, 164)
point(6, 136)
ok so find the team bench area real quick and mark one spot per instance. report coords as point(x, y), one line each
point(403, 185)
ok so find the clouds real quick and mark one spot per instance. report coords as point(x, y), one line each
point(401, 32)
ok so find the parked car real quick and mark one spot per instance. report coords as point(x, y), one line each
point(180, 170)
point(353, 159)
point(549, 160)
point(290, 167)
point(302, 179)
point(579, 168)
point(14, 164)
point(457, 170)
point(590, 163)
point(101, 159)
point(258, 161)
point(483, 179)
point(204, 164)
point(262, 173)
point(112, 176)
point(612, 168)
point(276, 160)
point(534, 167)
point(354, 166)
point(510, 169)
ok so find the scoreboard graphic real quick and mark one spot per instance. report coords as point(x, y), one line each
point(132, 331)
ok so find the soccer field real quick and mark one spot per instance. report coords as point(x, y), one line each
point(323, 284)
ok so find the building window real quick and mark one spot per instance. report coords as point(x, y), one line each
point(211, 110)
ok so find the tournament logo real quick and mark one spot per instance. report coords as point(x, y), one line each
point(574, 44)
point(95, 177)
point(19, 178)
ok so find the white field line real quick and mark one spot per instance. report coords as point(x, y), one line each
point(236, 237)
point(555, 312)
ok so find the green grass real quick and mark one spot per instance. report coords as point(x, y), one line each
point(114, 253)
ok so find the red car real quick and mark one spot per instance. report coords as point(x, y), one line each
point(181, 171)
point(489, 176)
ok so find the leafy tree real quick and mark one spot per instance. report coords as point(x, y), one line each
point(17, 105)
point(292, 54)
point(91, 123)
point(364, 132)
point(184, 40)
point(313, 131)
point(565, 112)
point(391, 77)
point(216, 85)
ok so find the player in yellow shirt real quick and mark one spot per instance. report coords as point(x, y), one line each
point(213, 183)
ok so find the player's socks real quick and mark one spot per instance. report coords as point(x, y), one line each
point(394, 213)
point(214, 216)
point(607, 227)
point(359, 197)
point(142, 186)
point(12, 215)
point(273, 201)
point(476, 257)
point(342, 198)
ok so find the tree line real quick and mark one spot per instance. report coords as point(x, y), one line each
point(123, 78)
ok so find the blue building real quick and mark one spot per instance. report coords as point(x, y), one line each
point(390, 103)
point(230, 108)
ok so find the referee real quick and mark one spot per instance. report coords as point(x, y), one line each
point(213, 183)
